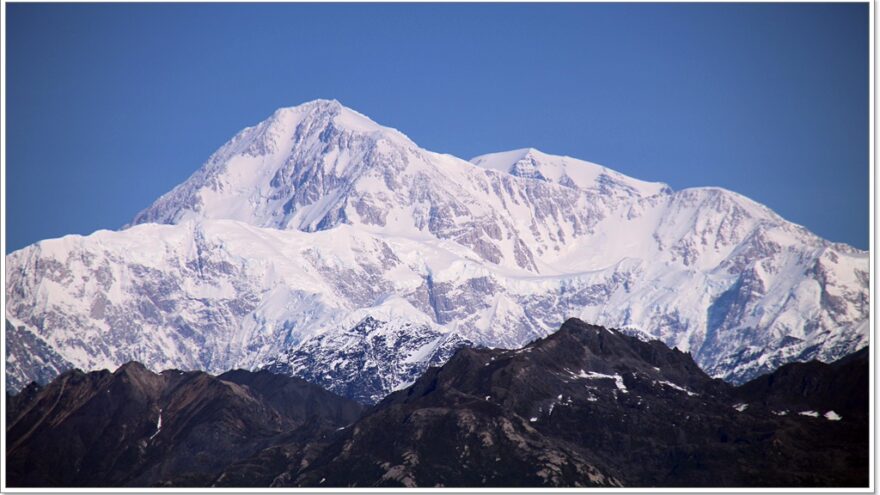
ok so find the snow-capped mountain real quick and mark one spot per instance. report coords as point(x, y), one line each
point(303, 226)
point(371, 359)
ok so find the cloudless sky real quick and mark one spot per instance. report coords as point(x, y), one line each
point(111, 105)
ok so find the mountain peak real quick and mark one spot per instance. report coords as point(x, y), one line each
point(323, 104)
point(325, 113)
point(299, 158)
point(132, 367)
point(531, 163)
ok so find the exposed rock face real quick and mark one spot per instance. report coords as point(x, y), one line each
point(589, 406)
point(305, 224)
point(30, 356)
point(133, 427)
point(814, 386)
point(586, 406)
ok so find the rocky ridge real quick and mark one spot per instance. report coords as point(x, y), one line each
point(584, 407)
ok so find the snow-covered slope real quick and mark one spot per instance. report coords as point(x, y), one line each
point(306, 226)
point(530, 163)
point(372, 359)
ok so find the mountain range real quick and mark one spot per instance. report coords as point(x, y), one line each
point(584, 406)
point(323, 245)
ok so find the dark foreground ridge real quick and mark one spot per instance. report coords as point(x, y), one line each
point(134, 427)
point(585, 406)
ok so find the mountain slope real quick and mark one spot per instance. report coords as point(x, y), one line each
point(589, 406)
point(305, 224)
point(813, 385)
point(373, 358)
point(133, 427)
point(585, 406)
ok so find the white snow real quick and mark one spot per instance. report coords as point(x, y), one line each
point(618, 380)
point(832, 416)
point(424, 352)
point(158, 426)
point(399, 386)
point(562, 169)
point(676, 387)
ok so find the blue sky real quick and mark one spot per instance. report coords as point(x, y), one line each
point(111, 105)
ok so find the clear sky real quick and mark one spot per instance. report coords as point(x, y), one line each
point(109, 106)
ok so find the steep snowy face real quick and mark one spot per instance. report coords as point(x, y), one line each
point(319, 165)
point(289, 172)
point(302, 227)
